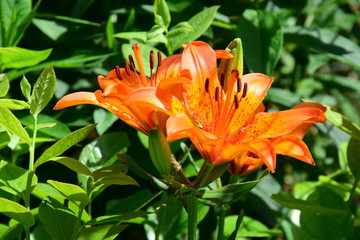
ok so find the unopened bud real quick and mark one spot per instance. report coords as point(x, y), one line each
point(160, 151)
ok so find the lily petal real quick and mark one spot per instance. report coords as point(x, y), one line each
point(294, 147)
point(77, 98)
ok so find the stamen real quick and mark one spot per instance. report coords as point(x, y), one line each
point(151, 60)
point(238, 84)
point(244, 90)
point(222, 79)
point(217, 90)
point(159, 58)
point(132, 63)
point(207, 85)
point(236, 72)
point(236, 101)
point(127, 68)
point(118, 73)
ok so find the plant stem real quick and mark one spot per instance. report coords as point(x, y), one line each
point(192, 216)
point(31, 173)
point(77, 225)
point(202, 175)
point(221, 222)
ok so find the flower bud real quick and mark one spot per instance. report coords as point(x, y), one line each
point(160, 151)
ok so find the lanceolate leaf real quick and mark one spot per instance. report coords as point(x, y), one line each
point(72, 192)
point(200, 23)
point(262, 37)
point(353, 156)
point(25, 88)
point(14, 104)
point(43, 91)
point(11, 124)
point(63, 144)
point(15, 57)
point(162, 13)
point(4, 85)
point(343, 123)
point(325, 41)
point(73, 164)
point(17, 212)
point(105, 232)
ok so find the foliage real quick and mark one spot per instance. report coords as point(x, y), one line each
point(99, 180)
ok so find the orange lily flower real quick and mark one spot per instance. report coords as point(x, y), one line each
point(226, 119)
point(123, 84)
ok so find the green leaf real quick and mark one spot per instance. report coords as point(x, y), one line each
point(59, 221)
point(95, 154)
point(116, 217)
point(14, 104)
point(53, 29)
point(11, 124)
point(73, 164)
point(353, 156)
point(63, 144)
point(262, 37)
point(72, 192)
point(14, 179)
point(325, 41)
point(160, 152)
point(249, 228)
point(155, 32)
point(140, 36)
point(178, 29)
point(59, 130)
point(17, 212)
point(43, 91)
point(162, 13)
point(288, 201)
point(231, 192)
point(15, 57)
point(104, 232)
point(199, 22)
point(105, 120)
point(340, 121)
point(4, 140)
point(4, 84)
point(25, 88)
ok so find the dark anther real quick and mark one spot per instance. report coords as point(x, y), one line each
point(159, 58)
point(252, 155)
point(207, 85)
point(244, 90)
point(118, 73)
point(132, 63)
point(151, 59)
point(236, 101)
point(217, 90)
point(236, 72)
point(127, 68)
point(238, 80)
point(222, 79)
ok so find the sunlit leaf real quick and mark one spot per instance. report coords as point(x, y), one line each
point(43, 91)
point(15, 57)
point(343, 123)
point(4, 84)
point(199, 22)
point(11, 124)
point(17, 212)
point(4, 140)
point(63, 144)
point(162, 13)
point(14, 104)
point(73, 164)
point(25, 88)
point(72, 192)
point(14, 179)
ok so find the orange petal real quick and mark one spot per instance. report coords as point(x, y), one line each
point(294, 147)
point(76, 99)
point(257, 87)
point(245, 164)
point(275, 124)
point(221, 54)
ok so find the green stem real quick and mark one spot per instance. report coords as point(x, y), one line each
point(221, 222)
point(31, 173)
point(77, 225)
point(192, 216)
point(202, 175)
point(353, 190)
point(179, 171)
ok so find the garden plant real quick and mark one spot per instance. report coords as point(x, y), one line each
point(183, 119)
